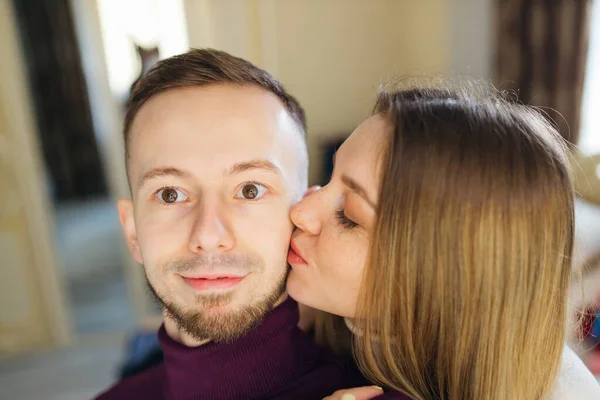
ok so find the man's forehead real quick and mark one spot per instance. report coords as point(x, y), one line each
point(212, 162)
point(219, 148)
point(211, 104)
point(215, 116)
point(212, 128)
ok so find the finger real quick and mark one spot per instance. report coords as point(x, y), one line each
point(360, 393)
point(311, 190)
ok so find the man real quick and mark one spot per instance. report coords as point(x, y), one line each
point(216, 156)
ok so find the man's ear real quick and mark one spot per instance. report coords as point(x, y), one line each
point(128, 224)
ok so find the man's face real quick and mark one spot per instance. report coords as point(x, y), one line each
point(214, 171)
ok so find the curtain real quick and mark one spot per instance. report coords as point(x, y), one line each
point(60, 99)
point(541, 53)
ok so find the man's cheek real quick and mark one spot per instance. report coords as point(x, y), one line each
point(280, 232)
point(280, 220)
point(274, 223)
point(159, 231)
point(157, 244)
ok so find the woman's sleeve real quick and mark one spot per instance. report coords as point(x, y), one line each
point(575, 381)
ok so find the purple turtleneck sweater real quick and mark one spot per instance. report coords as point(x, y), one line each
point(274, 361)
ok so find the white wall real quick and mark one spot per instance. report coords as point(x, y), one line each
point(473, 34)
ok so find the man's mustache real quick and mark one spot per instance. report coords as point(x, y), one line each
point(221, 262)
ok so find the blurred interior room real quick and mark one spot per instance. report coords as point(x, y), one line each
point(70, 296)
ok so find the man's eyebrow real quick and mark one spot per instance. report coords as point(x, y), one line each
point(159, 172)
point(264, 165)
point(354, 186)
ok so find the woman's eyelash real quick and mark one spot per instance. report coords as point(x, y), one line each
point(345, 221)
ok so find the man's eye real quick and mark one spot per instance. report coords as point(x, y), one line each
point(170, 196)
point(251, 191)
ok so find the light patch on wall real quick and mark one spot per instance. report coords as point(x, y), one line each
point(589, 142)
point(148, 23)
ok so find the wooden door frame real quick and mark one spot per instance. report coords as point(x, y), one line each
point(15, 101)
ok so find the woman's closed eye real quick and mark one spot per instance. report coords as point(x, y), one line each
point(345, 221)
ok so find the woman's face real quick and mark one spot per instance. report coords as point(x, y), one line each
point(334, 226)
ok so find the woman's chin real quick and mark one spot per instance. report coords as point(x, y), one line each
point(302, 291)
point(294, 287)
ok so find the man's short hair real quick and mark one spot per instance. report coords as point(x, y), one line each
point(203, 67)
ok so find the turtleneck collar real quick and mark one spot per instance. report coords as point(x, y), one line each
point(255, 365)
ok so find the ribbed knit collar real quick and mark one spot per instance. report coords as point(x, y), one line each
point(254, 366)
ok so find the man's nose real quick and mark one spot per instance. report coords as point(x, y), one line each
point(211, 231)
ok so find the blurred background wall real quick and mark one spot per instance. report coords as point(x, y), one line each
point(333, 55)
point(66, 279)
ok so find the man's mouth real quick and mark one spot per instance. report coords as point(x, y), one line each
point(213, 282)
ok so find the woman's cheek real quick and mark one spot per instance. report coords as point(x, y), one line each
point(335, 262)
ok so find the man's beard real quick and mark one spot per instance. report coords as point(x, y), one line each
point(196, 319)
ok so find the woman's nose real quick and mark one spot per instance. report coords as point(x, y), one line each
point(305, 214)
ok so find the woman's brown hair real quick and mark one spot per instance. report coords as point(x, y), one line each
point(465, 291)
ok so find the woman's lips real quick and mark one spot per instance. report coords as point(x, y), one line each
point(294, 255)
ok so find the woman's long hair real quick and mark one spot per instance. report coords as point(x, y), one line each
point(465, 291)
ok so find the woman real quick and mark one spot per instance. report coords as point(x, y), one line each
point(444, 239)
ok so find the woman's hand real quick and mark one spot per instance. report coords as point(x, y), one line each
point(359, 393)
